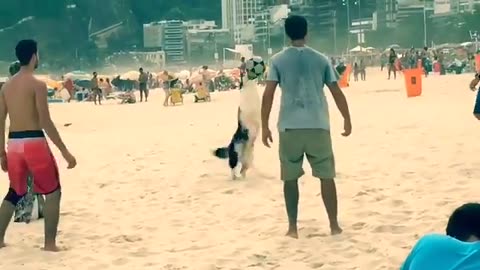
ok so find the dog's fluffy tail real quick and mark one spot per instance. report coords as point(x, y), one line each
point(221, 152)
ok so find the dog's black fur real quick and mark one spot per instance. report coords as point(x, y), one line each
point(240, 139)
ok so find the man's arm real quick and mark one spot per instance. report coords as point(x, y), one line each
point(273, 78)
point(41, 100)
point(331, 80)
point(267, 101)
point(340, 100)
point(3, 118)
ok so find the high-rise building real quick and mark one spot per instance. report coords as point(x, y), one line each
point(169, 36)
point(320, 13)
point(386, 13)
point(239, 16)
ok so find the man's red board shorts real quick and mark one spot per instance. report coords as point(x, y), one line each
point(28, 154)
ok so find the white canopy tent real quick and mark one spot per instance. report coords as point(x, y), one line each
point(361, 49)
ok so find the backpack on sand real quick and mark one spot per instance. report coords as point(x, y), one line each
point(30, 207)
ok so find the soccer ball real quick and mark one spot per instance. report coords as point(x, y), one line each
point(255, 67)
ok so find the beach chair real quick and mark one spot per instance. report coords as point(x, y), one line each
point(202, 94)
point(176, 96)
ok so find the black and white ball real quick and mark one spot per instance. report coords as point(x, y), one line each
point(255, 67)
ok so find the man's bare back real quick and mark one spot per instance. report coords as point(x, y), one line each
point(19, 96)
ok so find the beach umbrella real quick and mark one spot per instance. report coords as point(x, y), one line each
point(131, 75)
point(197, 77)
point(234, 72)
point(78, 75)
point(182, 75)
point(394, 46)
point(467, 44)
point(51, 83)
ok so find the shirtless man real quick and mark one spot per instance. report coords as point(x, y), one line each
point(24, 99)
point(96, 91)
point(142, 83)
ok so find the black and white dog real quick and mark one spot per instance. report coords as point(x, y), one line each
point(240, 150)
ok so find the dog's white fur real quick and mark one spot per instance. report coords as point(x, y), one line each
point(250, 118)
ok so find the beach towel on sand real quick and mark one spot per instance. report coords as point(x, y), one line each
point(30, 207)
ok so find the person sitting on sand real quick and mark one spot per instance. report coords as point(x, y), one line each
point(128, 98)
point(458, 250)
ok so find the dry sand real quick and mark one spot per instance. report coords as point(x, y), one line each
point(147, 194)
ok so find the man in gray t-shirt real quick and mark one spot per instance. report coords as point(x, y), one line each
point(303, 122)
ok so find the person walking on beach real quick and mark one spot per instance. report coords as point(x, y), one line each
point(303, 123)
point(363, 70)
point(392, 58)
point(243, 70)
point(96, 91)
point(142, 84)
point(24, 99)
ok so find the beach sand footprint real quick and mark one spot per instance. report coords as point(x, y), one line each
point(120, 239)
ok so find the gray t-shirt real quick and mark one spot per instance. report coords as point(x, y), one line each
point(302, 73)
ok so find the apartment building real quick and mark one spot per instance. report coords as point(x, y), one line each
point(240, 17)
point(168, 36)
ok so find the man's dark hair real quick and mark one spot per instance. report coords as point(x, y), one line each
point(465, 222)
point(25, 50)
point(296, 27)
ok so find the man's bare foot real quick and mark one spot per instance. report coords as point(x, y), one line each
point(334, 230)
point(52, 248)
point(292, 232)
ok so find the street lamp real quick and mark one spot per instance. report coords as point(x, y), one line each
point(424, 24)
point(347, 4)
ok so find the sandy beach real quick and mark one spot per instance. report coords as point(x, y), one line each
point(147, 193)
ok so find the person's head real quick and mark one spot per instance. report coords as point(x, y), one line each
point(242, 59)
point(425, 48)
point(27, 53)
point(94, 74)
point(140, 70)
point(464, 223)
point(205, 67)
point(392, 51)
point(296, 28)
point(165, 72)
point(101, 80)
point(107, 80)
